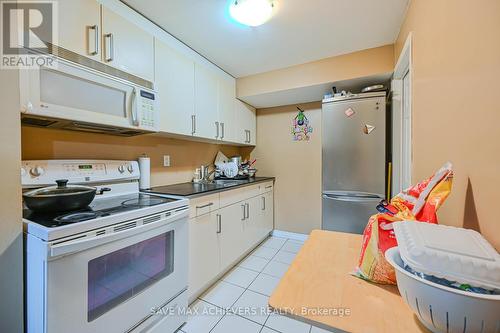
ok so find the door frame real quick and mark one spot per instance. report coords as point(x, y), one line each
point(402, 119)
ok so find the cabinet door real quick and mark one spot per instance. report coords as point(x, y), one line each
point(204, 262)
point(253, 222)
point(245, 115)
point(267, 213)
point(231, 236)
point(174, 75)
point(227, 94)
point(126, 46)
point(206, 103)
point(79, 22)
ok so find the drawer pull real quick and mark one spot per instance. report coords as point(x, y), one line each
point(244, 211)
point(268, 187)
point(205, 206)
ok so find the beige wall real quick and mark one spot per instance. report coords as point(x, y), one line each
point(11, 237)
point(296, 166)
point(375, 61)
point(185, 156)
point(456, 107)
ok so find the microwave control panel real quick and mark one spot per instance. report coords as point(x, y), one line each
point(147, 104)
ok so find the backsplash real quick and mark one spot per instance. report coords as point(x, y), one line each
point(185, 156)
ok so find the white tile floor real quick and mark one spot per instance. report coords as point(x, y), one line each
point(238, 301)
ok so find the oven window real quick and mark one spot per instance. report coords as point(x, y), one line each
point(120, 275)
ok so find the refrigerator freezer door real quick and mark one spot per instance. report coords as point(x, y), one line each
point(348, 213)
point(354, 145)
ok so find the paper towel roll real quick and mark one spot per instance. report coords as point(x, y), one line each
point(145, 168)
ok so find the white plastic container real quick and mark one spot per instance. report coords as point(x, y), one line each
point(444, 309)
point(455, 254)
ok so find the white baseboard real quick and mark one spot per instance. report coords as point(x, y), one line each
point(290, 235)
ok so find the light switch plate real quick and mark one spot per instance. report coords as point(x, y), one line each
point(166, 160)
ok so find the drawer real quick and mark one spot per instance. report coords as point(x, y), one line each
point(266, 187)
point(233, 196)
point(203, 205)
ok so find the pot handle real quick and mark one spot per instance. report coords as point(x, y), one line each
point(61, 183)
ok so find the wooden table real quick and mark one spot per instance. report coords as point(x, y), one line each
point(319, 280)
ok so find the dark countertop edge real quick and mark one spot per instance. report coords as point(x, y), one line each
point(209, 192)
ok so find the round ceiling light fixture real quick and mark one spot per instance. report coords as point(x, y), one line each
point(251, 12)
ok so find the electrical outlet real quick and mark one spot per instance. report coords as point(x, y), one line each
point(166, 160)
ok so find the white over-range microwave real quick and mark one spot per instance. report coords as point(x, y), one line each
point(76, 97)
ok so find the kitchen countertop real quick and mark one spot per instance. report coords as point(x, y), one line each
point(319, 280)
point(192, 190)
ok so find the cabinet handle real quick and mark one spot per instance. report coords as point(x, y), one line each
point(263, 203)
point(205, 206)
point(96, 39)
point(111, 47)
point(268, 187)
point(217, 127)
point(249, 136)
point(222, 128)
point(244, 212)
point(219, 223)
point(248, 210)
point(193, 124)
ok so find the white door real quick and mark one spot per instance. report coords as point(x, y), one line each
point(203, 252)
point(267, 213)
point(206, 103)
point(227, 94)
point(174, 75)
point(253, 222)
point(246, 123)
point(126, 46)
point(231, 236)
point(79, 27)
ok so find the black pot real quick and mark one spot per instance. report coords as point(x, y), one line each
point(59, 198)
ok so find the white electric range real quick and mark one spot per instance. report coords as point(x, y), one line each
point(119, 265)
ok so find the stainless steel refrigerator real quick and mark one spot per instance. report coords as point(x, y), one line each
point(354, 160)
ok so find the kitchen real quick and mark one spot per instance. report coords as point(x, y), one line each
point(226, 87)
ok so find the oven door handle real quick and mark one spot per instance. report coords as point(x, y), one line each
point(59, 248)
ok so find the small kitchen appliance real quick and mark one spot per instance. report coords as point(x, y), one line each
point(117, 265)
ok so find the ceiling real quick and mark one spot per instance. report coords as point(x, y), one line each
point(300, 31)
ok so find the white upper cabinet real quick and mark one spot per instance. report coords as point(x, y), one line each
point(206, 92)
point(226, 111)
point(126, 46)
point(80, 27)
point(174, 78)
point(246, 123)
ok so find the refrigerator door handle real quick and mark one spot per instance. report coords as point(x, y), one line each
point(351, 194)
point(351, 198)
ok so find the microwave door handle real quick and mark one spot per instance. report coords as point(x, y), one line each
point(84, 243)
point(133, 99)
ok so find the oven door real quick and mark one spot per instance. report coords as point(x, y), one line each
point(112, 284)
point(81, 97)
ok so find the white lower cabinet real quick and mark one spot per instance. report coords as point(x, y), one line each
point(204, 261)
point(219, 238)
point(231, 236)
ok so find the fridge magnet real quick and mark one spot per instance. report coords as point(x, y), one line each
point(349, 112)
point(301, 130)
point(368, 129)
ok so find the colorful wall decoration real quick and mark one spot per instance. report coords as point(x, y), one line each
point(301, 130)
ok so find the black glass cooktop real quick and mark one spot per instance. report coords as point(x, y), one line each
point(98, 208)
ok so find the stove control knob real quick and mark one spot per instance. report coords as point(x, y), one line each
point(121, 168)
point(37, 171)
point(130, 168)
point(23, 172)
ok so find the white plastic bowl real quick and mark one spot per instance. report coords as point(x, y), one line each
point(444, 309)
